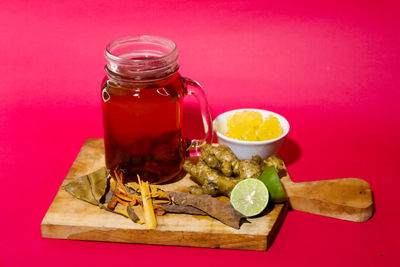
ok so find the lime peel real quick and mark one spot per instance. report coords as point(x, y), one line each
point(271, 180)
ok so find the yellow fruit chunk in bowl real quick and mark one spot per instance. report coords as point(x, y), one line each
point(249, 125)
point(250, 132)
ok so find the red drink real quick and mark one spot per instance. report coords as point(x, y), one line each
point(143, 129)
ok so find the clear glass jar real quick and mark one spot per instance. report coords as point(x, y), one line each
point(142, 102)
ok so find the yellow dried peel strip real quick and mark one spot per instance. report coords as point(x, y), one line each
point(148, 211)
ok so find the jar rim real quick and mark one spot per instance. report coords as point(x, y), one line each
point(163, 51)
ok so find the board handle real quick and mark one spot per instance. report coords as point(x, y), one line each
point(348, 199)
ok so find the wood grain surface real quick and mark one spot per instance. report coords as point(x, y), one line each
point(69, 218)
point(348, 199)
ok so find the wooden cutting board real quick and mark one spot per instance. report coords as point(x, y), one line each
point(69, 218)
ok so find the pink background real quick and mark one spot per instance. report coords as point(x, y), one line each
point(330, 67)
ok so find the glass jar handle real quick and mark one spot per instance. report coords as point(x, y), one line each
point(197, 91)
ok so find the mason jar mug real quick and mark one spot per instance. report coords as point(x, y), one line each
point(142, 102)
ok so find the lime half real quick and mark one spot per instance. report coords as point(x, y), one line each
point(271, 179)
point(250, 197)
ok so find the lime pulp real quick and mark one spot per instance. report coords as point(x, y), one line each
point(249, 197)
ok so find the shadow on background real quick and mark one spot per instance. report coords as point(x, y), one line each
point(290, 151)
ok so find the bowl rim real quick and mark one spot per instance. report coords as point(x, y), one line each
point(242, 142)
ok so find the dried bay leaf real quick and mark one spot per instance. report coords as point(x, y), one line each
point(81, 189)
point(224, 212)
point(90, 188)
point(98, 182)
point(183, 209)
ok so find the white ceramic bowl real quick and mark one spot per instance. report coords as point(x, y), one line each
point(247, 149)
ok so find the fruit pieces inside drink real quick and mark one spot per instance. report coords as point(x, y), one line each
point(143, 129)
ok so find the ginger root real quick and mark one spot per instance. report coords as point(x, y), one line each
point(278, 164)
point(219, 170)
point(250, 168)
point(220, 158)
point(212, 183)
